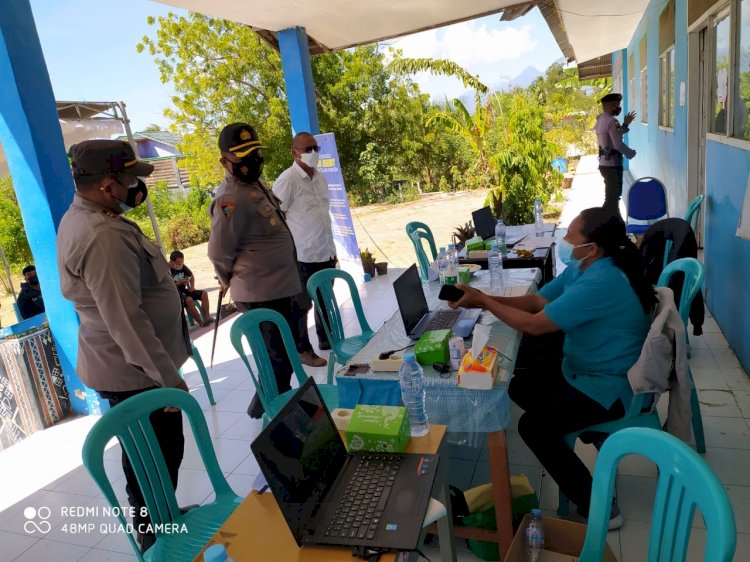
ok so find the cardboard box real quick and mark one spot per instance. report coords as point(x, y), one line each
point(378, 428)
point(475, 243)
point(432, 347)
point(479, 373)
point(563, 541)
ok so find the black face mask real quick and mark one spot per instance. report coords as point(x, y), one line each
point(249, 168)
point(136, 195)
point(33, 280)
point(618, 111)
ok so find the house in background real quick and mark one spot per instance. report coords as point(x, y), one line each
point(160, 149)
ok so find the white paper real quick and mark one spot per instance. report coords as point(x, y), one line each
point(743, 229)
point(534, 242)
point(682, 94)
point(480, 339)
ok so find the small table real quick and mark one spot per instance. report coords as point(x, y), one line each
point(257, 529)
point(462, 410)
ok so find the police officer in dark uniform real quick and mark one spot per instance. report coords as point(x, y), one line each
point(612, 149)
point(251, 246)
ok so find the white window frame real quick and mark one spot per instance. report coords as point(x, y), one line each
point(644, 95)
point(666, 115)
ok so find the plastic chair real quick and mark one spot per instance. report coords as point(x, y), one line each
point(694, 210)
point(320, 289)
point(685, 482)
point(647, 203)
point(202, 371)
point(694, 272)
point(248, 326)
point(129, 422)
point(418, 231)
point(634, 417)
point(190, 319)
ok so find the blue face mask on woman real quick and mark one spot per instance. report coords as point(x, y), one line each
point(565, 252)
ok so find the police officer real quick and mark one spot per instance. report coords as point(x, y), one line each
point(132, 336)
point(612, 149)
point(30, 301)
point(251, 246)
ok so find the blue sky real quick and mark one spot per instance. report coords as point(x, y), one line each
point(89, 47)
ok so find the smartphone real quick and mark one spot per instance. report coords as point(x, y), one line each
point(450, 293)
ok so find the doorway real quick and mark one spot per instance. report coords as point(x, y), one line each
point(699, 95)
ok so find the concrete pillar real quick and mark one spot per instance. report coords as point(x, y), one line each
point(33, 143)
point(300, 89)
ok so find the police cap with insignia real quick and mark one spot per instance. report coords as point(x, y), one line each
point(101, 157)
point(611, 97)
point(239, 139)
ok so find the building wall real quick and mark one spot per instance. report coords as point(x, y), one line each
point(148, 148)
point(664, 154)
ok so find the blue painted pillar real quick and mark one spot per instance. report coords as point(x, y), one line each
point(31, 137)
point(300, 89)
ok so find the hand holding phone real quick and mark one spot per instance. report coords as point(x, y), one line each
point(450, 293)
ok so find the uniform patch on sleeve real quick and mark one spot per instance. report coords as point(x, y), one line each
point(227, 208)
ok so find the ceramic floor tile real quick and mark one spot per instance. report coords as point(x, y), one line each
point(42, 513)
point(229, 452)
point(244, 429)
point(718, 403)
point(549, 494)
point(114, 542)
point(634, 541)
point(736, 378)
point(242, 484)
point(728, 433)
point(234, 401)
point(636, 465)
point(739, 496)
point(219, 422)
point(730, 465)
point(226, 380)
point(193, 487)
point(202, 398)
point(518, 452)
point(742, 552)
point(96, 555)
point(14, 544)
point(51, 551)
point(702, 358)
point(743, 401)
point(248, 467)
point(81, 483)
point(725, 359)
point(613, 540)
point(716, 340)
point(635, 495)
point(710, 325)
point(697, 342)
point(708, 379)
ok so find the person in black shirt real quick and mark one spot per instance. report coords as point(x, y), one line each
point(185, 282)
point(30, 301)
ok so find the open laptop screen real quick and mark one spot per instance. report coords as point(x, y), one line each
point(300, 453)
point(412, 303)
point(484, 223)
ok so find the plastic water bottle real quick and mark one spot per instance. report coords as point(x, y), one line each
point(500, 237)
point(451, 270)
point(538, 218)
point(411, 378)
point(216, 553)
point(442, 263)
point(534, 537)
point(495, 265)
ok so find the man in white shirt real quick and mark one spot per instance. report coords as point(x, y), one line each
point(303, 192)
point(612, 149)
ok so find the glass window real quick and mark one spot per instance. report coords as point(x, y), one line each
point(663, 91)
point(644, 94)
point(720, 78)
point(670, 90)
point(742, 99)
point(631, 92)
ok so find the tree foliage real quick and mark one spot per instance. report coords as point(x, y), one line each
point(12, 234)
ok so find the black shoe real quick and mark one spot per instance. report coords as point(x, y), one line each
point(324, 346)
point(255, 410)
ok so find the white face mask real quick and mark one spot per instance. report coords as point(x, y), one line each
point(310, 158)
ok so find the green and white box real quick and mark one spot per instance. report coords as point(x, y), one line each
point(378, 428)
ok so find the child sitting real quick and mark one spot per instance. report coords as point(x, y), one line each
point(185, 282)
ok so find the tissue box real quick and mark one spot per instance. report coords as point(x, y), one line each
point(475, 243)
point(378, 428)
point(479, 373)
point(432, 347)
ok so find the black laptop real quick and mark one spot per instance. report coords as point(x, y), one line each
point(416, 315)
point(329, 497)
point(484, 225)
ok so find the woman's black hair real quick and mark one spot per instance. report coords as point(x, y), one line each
point(608, 232)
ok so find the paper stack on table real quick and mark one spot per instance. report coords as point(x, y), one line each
point(531, 243)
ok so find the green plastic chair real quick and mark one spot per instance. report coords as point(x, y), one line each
point(190, 319)
point(202, 371)
point(129, 422)
point(685, 482)
point(640, 413)
point(694, 273)
point(248, 326)
point(320, 289)
point(691, 217)
point(418, 231)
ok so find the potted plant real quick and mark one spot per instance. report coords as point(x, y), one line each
point(368, 261)
point(381, 267)
point(464, 233)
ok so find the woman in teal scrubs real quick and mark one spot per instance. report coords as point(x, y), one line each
point(602, 302)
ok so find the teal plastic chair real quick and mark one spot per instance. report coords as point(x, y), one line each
point(202, 371)
point(685, 482)
point(320, 289)
point(248, 326)
point(640, 413)
point(691, 217)
point(418, 231)
point(129, 422)
point(190, 319)
point(694, 273)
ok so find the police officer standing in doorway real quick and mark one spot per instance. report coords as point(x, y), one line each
point(251, 246)
point(612, 149)
point(132, 337)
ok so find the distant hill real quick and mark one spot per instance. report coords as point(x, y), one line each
point(523, 80)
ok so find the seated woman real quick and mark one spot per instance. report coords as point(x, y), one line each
point(602, 303)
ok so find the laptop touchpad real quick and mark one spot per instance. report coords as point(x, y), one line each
point(410, 501)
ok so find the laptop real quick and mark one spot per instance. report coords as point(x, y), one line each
point(330, 497)
point(416, 315)
point(484, 225)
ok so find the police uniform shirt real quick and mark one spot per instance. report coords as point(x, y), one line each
point(250, 245)
point(609, 136)
point(131, 335)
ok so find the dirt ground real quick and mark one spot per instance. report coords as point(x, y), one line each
point(380, 228)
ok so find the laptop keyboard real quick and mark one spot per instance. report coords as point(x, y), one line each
point(443, 319)
point(361, 508)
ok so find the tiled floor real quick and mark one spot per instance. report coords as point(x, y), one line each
point(44, 470)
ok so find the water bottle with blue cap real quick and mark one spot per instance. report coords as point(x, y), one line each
point(411, 379)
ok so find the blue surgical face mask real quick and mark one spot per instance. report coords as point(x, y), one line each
point(565, 252)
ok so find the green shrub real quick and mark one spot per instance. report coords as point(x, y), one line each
point(183, 231)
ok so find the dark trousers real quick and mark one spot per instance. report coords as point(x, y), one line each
point(554, 408)
point(282, 368)
point(301, 305)
point(168, 429)
point(612, 187)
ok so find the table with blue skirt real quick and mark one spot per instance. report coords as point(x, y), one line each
point(474, 412)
